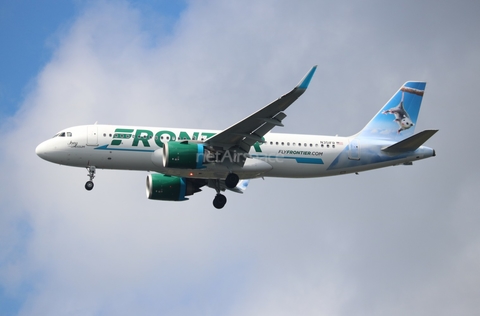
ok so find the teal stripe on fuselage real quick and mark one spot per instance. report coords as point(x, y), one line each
point(105, 147)
point(314, 161)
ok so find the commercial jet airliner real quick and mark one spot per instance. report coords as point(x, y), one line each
point(182, 161)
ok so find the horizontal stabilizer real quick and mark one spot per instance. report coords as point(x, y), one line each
point(241, 186)
point(411, 143)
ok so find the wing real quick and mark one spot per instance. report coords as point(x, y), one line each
point(250, 130)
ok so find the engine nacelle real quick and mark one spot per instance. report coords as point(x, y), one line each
point(170, 188)
point(183, 155)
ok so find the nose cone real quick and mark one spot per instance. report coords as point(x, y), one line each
point(42, 150)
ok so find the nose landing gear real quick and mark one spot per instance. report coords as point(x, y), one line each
point(91, 175)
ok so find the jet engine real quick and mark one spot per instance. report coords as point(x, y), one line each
point(183, 155)
point(171, 188)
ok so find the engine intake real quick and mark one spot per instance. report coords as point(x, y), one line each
point(183, 155)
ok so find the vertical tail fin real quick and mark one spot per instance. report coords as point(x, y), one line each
point(398, 117)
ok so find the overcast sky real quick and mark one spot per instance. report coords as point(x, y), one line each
point(395, 241)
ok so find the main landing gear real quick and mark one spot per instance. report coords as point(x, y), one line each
point(91, 175)
point(231, 182)
point(219, 201)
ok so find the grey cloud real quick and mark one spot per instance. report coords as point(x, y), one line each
point(396, 241)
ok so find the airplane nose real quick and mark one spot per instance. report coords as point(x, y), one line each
point(42, 150)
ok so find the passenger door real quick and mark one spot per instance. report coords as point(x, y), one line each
point(92, 135)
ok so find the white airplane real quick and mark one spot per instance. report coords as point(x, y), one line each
point(182, 161)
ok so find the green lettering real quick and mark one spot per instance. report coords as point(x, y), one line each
point(257, 145)
point(207, 135)
point(142, 135)
point(121, 133)
point(183, 136)
point(159, 135)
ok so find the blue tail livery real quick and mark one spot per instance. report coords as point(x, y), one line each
point(397, 119)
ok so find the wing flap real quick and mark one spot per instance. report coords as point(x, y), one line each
point(241, 186)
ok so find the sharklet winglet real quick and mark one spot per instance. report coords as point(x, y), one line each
point(306, 80)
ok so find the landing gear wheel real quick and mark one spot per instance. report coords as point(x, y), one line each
point(219, 201)
point(91, 175)
point(231, 181)
point(89, 185)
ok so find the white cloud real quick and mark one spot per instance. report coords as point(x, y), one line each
point(373, 244)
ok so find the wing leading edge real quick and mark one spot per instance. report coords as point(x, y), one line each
point(250, 130)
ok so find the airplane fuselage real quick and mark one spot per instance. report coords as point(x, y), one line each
point(280, 155)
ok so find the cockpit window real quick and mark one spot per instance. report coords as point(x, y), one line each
point(69, 134)
point(61, 134)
